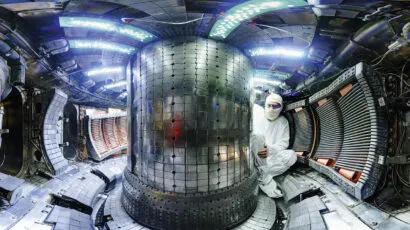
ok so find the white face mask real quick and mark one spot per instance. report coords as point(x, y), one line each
point(273, 106)
point(271, 113)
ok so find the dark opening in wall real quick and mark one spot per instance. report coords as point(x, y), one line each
point(71, 131)
point(12, 154)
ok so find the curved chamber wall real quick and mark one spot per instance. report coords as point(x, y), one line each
point(189, 164)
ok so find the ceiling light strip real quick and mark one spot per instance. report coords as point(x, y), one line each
point(245, 11)
point(278, 51)
point(106, 70)
point(259, 80)
point(115, 85)
point(271, 74)
point(96, 44)
point(108, 26)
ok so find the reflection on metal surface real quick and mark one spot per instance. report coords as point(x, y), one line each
point(190, 110)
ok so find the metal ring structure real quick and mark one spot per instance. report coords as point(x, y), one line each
point(222, 209)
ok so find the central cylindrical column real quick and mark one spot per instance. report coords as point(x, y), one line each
point(189, 165)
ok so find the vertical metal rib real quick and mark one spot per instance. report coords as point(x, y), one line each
point(303, 131)
point(331, 130)
point(357, 132)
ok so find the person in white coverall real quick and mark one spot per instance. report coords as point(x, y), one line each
point(269, 143)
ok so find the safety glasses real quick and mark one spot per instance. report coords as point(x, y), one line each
point(274, 106)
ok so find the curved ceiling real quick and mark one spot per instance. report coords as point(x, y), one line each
point(315, 27)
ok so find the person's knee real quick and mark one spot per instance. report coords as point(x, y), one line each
point(288, 157)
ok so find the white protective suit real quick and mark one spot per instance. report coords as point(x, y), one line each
point(275, 135)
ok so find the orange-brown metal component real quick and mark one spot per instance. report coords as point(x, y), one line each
point(350, 175)
point(300, 153)
point(321, 102)
point(323, 161)
point(345, 89)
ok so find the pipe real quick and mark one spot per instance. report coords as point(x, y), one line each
point(4, 47)
point(366, 40)
point(16, 62)
point(8, 52)
point(369, 37)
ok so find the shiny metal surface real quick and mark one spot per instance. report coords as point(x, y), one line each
point(357, 135)
point(262, 218)
point(192, 113)
point(353, 130)
point(304, 131)
point(331, 130)
point(190, 135)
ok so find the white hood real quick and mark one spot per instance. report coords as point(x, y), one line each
point(272, 113)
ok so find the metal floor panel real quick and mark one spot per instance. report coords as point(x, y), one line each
point(348, 212)
point(264, 216)
point(34, 219)
point(306, 214)
point(331, 207)
point(10, 183)
point(13, 186)
point(15, 212)
point(83, 189)
point(65, 218)
point(292, 187)
point(109, 174)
